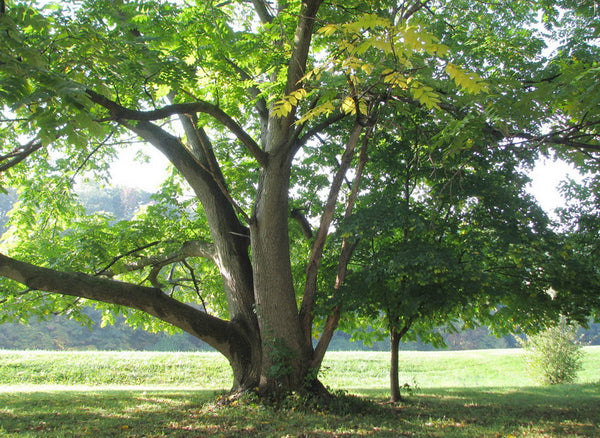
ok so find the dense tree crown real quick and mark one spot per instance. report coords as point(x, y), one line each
point(403, 127)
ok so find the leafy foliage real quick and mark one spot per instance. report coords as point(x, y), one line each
point(404, 125)
point(457, 239)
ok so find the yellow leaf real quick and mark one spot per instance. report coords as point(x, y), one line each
point(425, 94)
point(353, 27)
point(299, 94)
point(383, 45)
point(349, 47)
point(282, 108)
point(328, 29)
point(367, 68)
point(370, 21)
point(352, 63)
point(349, 106)
point(440, 49)
point(190, 59)
point(396, 79)
point(468, 81)
point(324, 108)
point(363, 107)
point(364, 46)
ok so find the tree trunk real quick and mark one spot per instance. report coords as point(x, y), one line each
point(284, 358)
point(395, 395)
point(395, 338)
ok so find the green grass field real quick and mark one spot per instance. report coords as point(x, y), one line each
point(485, 393)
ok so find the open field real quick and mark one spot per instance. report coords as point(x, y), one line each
point(483, 393)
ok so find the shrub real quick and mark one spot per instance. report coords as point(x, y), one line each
point(554, 355)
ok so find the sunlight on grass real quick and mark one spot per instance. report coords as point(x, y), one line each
point(454, 394)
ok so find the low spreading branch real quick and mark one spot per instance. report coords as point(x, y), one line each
point(214, 331)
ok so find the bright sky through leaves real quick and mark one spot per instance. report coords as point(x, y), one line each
point(147, 176)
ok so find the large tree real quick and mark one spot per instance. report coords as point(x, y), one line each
point(255, 104)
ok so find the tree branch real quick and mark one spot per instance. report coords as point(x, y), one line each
point(212, 330)
point(192, 248)
point(263, 12)
point(19, 154)
point(316, 129)
point(105, 270)
point(119, 112)
point(297, 65)
point(303, 222)
point(195, 283)
point(192, 169)
point(312, 268)
point(204, 155)
point(417, 6)
point(346, 253)
point(302, 38)
point(557, 138)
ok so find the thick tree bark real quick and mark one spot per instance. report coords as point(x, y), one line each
point(284, 359)
point(231, 239)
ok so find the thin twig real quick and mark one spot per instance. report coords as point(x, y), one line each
point(128, 253)
point(187, 265)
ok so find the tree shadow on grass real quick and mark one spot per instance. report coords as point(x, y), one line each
point(569, 410)
point(556, 411)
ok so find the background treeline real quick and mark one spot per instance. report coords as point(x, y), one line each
point(61, 333)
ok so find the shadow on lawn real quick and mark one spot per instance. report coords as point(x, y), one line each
point(568, 410)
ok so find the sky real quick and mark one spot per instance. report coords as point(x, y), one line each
point(546, 176)
point(146, 176)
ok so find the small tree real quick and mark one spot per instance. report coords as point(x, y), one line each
point(439, 243)
point(554, 356)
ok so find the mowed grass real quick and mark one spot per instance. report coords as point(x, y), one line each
point(484, 393)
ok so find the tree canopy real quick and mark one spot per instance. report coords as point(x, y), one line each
point(279, 120)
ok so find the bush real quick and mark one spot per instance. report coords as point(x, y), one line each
point(554, 355)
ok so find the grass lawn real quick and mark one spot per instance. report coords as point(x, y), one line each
point(453, 394)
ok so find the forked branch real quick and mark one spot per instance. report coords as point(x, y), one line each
point(119, 112)
point(192, 248)
point(346, 253)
